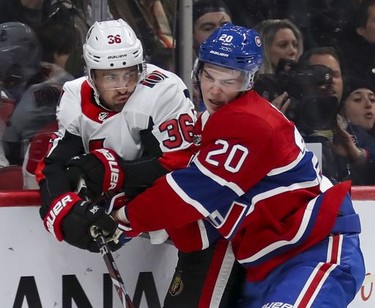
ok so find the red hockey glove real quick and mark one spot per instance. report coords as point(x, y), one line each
point(71, 219)
point(101, 171)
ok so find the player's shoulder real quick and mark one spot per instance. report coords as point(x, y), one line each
point(74, 84)
point(157, 78)
point(245, 115)
point(159, 92)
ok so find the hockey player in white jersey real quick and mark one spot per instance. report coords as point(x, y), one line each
point(134, 109)
point(142, 116)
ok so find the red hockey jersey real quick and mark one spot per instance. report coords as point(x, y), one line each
point(254, 181)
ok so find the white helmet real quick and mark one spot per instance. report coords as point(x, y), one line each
point(112, 44)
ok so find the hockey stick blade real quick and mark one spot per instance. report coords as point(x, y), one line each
point(113, 271)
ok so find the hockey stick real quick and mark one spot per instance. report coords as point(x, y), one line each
point(112, 269)
point(108, 258)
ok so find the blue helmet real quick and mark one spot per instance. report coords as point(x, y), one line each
point(234, 47)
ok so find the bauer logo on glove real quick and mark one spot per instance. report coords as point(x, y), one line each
point(101, 171)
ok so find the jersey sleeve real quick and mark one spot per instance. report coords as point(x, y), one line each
point(64, 144)
point(161, 112)
point(51, 171)
point(69, 107)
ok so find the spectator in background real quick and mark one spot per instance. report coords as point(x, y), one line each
point(324, 103)
point(356, 119)
point(20, 56)
point(357, 45)
point(328, 57)
point(26, 11)
point(59, 37)
point(281, 40)
point(208, 15)
point(35, 110)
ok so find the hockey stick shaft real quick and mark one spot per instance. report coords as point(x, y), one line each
point(108, 258)
point(113, 271)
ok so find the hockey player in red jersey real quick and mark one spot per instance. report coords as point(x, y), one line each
point(256, 183)
point(124, 115)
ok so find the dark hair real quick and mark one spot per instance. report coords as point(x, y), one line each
point(202, 7)
point(361, 14)
point(327, 50)
point(58, 33)
point(354, 83)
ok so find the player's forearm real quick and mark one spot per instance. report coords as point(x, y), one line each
point(151, 211)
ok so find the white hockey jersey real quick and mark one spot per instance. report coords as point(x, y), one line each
point(159, 108)
point(159, 103)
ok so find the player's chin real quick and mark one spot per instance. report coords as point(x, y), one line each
point(118, 106)
point(214, 106)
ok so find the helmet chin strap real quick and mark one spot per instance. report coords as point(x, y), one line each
point(96, 92)
point(97, 100)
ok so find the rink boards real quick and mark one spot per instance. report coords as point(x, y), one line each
point(37, 271)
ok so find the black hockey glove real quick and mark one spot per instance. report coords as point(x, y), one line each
point(72, 219)
point(101, 171)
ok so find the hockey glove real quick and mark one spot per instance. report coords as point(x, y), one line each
point(112, 203)
point(71, 219)
point(100, 170)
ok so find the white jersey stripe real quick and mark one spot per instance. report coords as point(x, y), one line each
point(312, 288)
point(223, 277)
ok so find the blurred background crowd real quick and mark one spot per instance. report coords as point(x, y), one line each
point(319, 68)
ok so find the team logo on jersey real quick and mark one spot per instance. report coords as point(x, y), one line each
point(177, 285)
point(103, 115)
point(197, 140)
point(152, 79)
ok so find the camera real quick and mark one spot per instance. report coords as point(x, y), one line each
point(312, 105)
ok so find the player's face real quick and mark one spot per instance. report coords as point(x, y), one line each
point(359, 108)
point(219, 86)
point(115, 86)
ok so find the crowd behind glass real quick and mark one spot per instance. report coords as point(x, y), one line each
point(319, 68)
